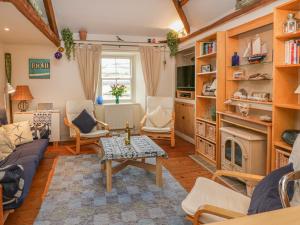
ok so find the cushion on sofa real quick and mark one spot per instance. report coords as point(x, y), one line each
point(266, 195)
point(6, 146)
point(19, 133)
point(159, 117)
point(85, 122)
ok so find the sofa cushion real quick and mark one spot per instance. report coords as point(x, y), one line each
point(266, 195)
point(85, 122)
point(19, 133)
point(6, 146)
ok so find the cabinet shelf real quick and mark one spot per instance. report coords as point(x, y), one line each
point(207, 73)
point(283, 145)
point(252, 64)
point(284, 37)
point(206, 96)
point(232, 79)
point(288, 66)
point(252, 101)
point(288, 106)
point(210, 55)
point(206, 139)
point(206, 120)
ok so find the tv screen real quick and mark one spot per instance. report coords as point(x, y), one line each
point(186, 77)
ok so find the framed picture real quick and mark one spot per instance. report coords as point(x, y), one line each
point(39, 68)
point(206, 68)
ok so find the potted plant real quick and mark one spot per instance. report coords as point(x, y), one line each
point(82, 35)
point(118, 90)
point(67, 36)
point(173, 42)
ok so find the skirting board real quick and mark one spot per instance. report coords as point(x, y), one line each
point(185, 137)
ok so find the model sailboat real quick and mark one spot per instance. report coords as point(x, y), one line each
point(256, 50)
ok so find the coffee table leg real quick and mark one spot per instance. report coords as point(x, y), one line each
point(108, 175)
point(159, 179)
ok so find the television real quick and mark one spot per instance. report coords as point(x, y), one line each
point(186, 78)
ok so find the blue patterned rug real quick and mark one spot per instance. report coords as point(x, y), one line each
point(77, 196)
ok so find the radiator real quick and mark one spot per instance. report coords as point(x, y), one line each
point(116, 116)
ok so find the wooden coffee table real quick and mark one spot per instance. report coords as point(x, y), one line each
point(141, 147)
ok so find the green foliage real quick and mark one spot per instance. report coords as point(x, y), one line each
point(173, 42)
point(118, 90)
point(67, 37)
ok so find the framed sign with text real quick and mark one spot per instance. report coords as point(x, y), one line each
point(39, 68)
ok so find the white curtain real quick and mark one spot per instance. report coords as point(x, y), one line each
point(89, 63)
point(151, 62)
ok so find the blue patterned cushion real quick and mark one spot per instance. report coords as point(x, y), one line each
point(266, 195)
point(85, 122)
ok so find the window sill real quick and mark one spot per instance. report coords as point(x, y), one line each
point(114, 104)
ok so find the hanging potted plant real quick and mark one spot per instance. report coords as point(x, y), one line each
point(67, 37)
point(172, 41)
point(118, 90)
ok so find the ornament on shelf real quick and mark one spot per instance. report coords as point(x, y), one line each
point(244, 109)
point(290, 26)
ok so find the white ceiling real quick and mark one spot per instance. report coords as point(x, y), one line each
point(22, 31)
point(203, 12)
point(150, 18)
point(117, 17)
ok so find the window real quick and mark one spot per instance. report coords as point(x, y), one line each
point(116, 70)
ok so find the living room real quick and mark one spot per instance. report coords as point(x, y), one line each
point(149, 112)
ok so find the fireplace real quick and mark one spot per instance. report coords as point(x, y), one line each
point(243, 151)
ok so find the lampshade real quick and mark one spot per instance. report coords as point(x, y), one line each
point(22, 93)
point(10, 89)
point(297, 90)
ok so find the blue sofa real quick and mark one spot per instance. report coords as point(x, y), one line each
point(29, 156)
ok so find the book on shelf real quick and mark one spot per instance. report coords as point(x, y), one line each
point(292, 51)
point(208, 48)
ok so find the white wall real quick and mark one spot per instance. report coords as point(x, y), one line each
point(64, 83)
point(2, 76)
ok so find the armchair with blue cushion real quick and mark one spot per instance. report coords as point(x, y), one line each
point(210, 202)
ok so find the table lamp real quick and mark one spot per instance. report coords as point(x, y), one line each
point(23, 95)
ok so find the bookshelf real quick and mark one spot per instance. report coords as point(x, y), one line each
point(286, 110)
point(209, 51)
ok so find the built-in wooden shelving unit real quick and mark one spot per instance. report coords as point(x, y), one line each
point(207, 141)
point(237, 40)
point(286, 110)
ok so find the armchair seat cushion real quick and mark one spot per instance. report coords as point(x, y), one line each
point(95, 134)
point(156, 129)
point(208, 192)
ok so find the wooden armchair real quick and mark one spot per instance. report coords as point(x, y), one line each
point(73, 109)
point(212, 202)
point(159, 133)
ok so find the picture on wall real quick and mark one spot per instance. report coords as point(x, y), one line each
point(39, 68)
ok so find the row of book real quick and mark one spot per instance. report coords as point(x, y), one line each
point(292, 51)
point(208, 48)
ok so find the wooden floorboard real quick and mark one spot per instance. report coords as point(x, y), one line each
point(179, 164)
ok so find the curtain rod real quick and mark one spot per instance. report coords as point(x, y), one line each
point(120, 43)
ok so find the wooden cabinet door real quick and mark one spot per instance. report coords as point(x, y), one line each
point(179, 117)
point(189, 120)
point(184, 118)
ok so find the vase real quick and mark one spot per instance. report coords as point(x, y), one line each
point(117, 99)
point(82, 35)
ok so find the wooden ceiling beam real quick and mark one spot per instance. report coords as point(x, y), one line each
point(182, 15)
point(183, 2)
point(51, 16)
point(27, 10)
